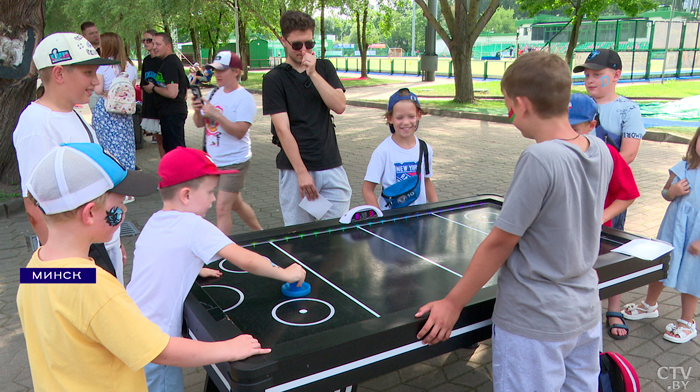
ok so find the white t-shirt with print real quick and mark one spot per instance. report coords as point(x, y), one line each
point(40, 129)
point(391, 163)
point(170, 251)
point(224, 148)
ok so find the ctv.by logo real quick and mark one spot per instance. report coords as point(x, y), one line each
point(678, 375)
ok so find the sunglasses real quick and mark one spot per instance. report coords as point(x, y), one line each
point(298, 45)
point(147, 40)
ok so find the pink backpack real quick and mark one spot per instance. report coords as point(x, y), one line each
point(617, 374)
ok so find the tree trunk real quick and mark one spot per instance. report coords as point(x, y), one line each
point(139, 59)
point(323, 29)
point(461, 60)
point(573, 39)
point(197, 57)
point(166, 28)
point(243, 45)
point(22, 25)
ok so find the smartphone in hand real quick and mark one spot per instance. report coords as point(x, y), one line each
point(196, 92)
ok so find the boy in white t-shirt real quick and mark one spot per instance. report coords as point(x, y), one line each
point(174, 245)
point(226, 116)
point(396, 158)
point(66, 63)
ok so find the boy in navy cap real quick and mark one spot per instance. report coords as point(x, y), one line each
point(396, 158)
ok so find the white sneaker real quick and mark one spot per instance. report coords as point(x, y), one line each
point(129, 199)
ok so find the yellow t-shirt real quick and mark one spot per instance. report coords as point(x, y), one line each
point(86, 337)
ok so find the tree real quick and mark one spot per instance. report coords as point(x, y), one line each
point(464, 24)
point(21, 29)
point(360, 9)
point(578, 10)
point(502, 22)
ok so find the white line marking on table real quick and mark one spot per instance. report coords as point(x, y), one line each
point(630, 276)
point(369, 360)
point(411, 252)
point(216, 368)
point(367, 308)
point(459, 223)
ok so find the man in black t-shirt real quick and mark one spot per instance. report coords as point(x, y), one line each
point(149, 70)
point(298, 95)
point(170, 90)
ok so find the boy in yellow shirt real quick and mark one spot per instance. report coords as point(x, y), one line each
point(83, 332)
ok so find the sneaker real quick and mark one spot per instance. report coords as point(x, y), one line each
point(153, 140)
point(129, 199)
point(641, 311)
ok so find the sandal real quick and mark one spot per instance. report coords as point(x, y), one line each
point(621, 326)
point(641, 311)
point(685, 331)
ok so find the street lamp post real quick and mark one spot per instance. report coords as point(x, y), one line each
point(668, 37)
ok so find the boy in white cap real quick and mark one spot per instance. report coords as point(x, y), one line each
point(226, 116)
point(67, 65)
point(89, 335)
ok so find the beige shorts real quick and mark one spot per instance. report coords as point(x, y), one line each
point(233, 182)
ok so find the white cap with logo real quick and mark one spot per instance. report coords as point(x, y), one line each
point(67, 49)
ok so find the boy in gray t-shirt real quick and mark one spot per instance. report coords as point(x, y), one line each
point(545, 243)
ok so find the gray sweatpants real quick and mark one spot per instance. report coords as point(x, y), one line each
point(529, 365)
point(333, 184)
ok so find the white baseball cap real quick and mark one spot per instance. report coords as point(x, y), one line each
point(67, 49)
point(73, 174)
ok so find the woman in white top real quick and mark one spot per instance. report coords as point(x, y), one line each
point(115, 131)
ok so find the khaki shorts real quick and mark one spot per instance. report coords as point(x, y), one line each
point(233, 182)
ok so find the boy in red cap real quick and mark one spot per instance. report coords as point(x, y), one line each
point(175, 244)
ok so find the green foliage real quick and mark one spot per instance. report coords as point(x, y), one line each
point(589, 9)
point(502, 22)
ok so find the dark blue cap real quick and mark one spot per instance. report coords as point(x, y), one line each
point(400, 95)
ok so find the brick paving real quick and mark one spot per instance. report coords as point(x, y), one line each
point(471, 157)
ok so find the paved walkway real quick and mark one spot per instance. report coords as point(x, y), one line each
point(471, 157)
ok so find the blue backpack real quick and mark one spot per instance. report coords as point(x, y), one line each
point(405, 192)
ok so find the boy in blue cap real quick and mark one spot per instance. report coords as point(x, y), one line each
point(397, 158)
point(91, 336)
point(622, 191)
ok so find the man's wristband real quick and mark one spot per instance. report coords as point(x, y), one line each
point(665, 194)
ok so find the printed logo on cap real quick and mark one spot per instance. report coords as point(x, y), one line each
point(218, 57)
point(58, 57)
point(593, 55)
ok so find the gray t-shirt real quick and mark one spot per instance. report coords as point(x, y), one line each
point(548, 289)
point(620, 118)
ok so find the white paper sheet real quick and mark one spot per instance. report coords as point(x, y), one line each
point(317, 208)
point(645, 249)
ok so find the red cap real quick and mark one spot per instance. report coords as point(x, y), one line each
point(184, 164)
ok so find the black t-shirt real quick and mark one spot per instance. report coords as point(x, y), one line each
point(310, 120)
point(172, 71)
point(149, 70)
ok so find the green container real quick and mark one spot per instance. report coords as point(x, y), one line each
point(259, 56)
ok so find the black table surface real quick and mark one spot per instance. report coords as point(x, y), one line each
point(367, 281)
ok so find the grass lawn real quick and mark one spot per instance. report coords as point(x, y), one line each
point(255, 81)
point(688, 132)
point(670, 89)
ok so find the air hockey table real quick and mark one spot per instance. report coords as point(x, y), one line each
point(368, 279)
